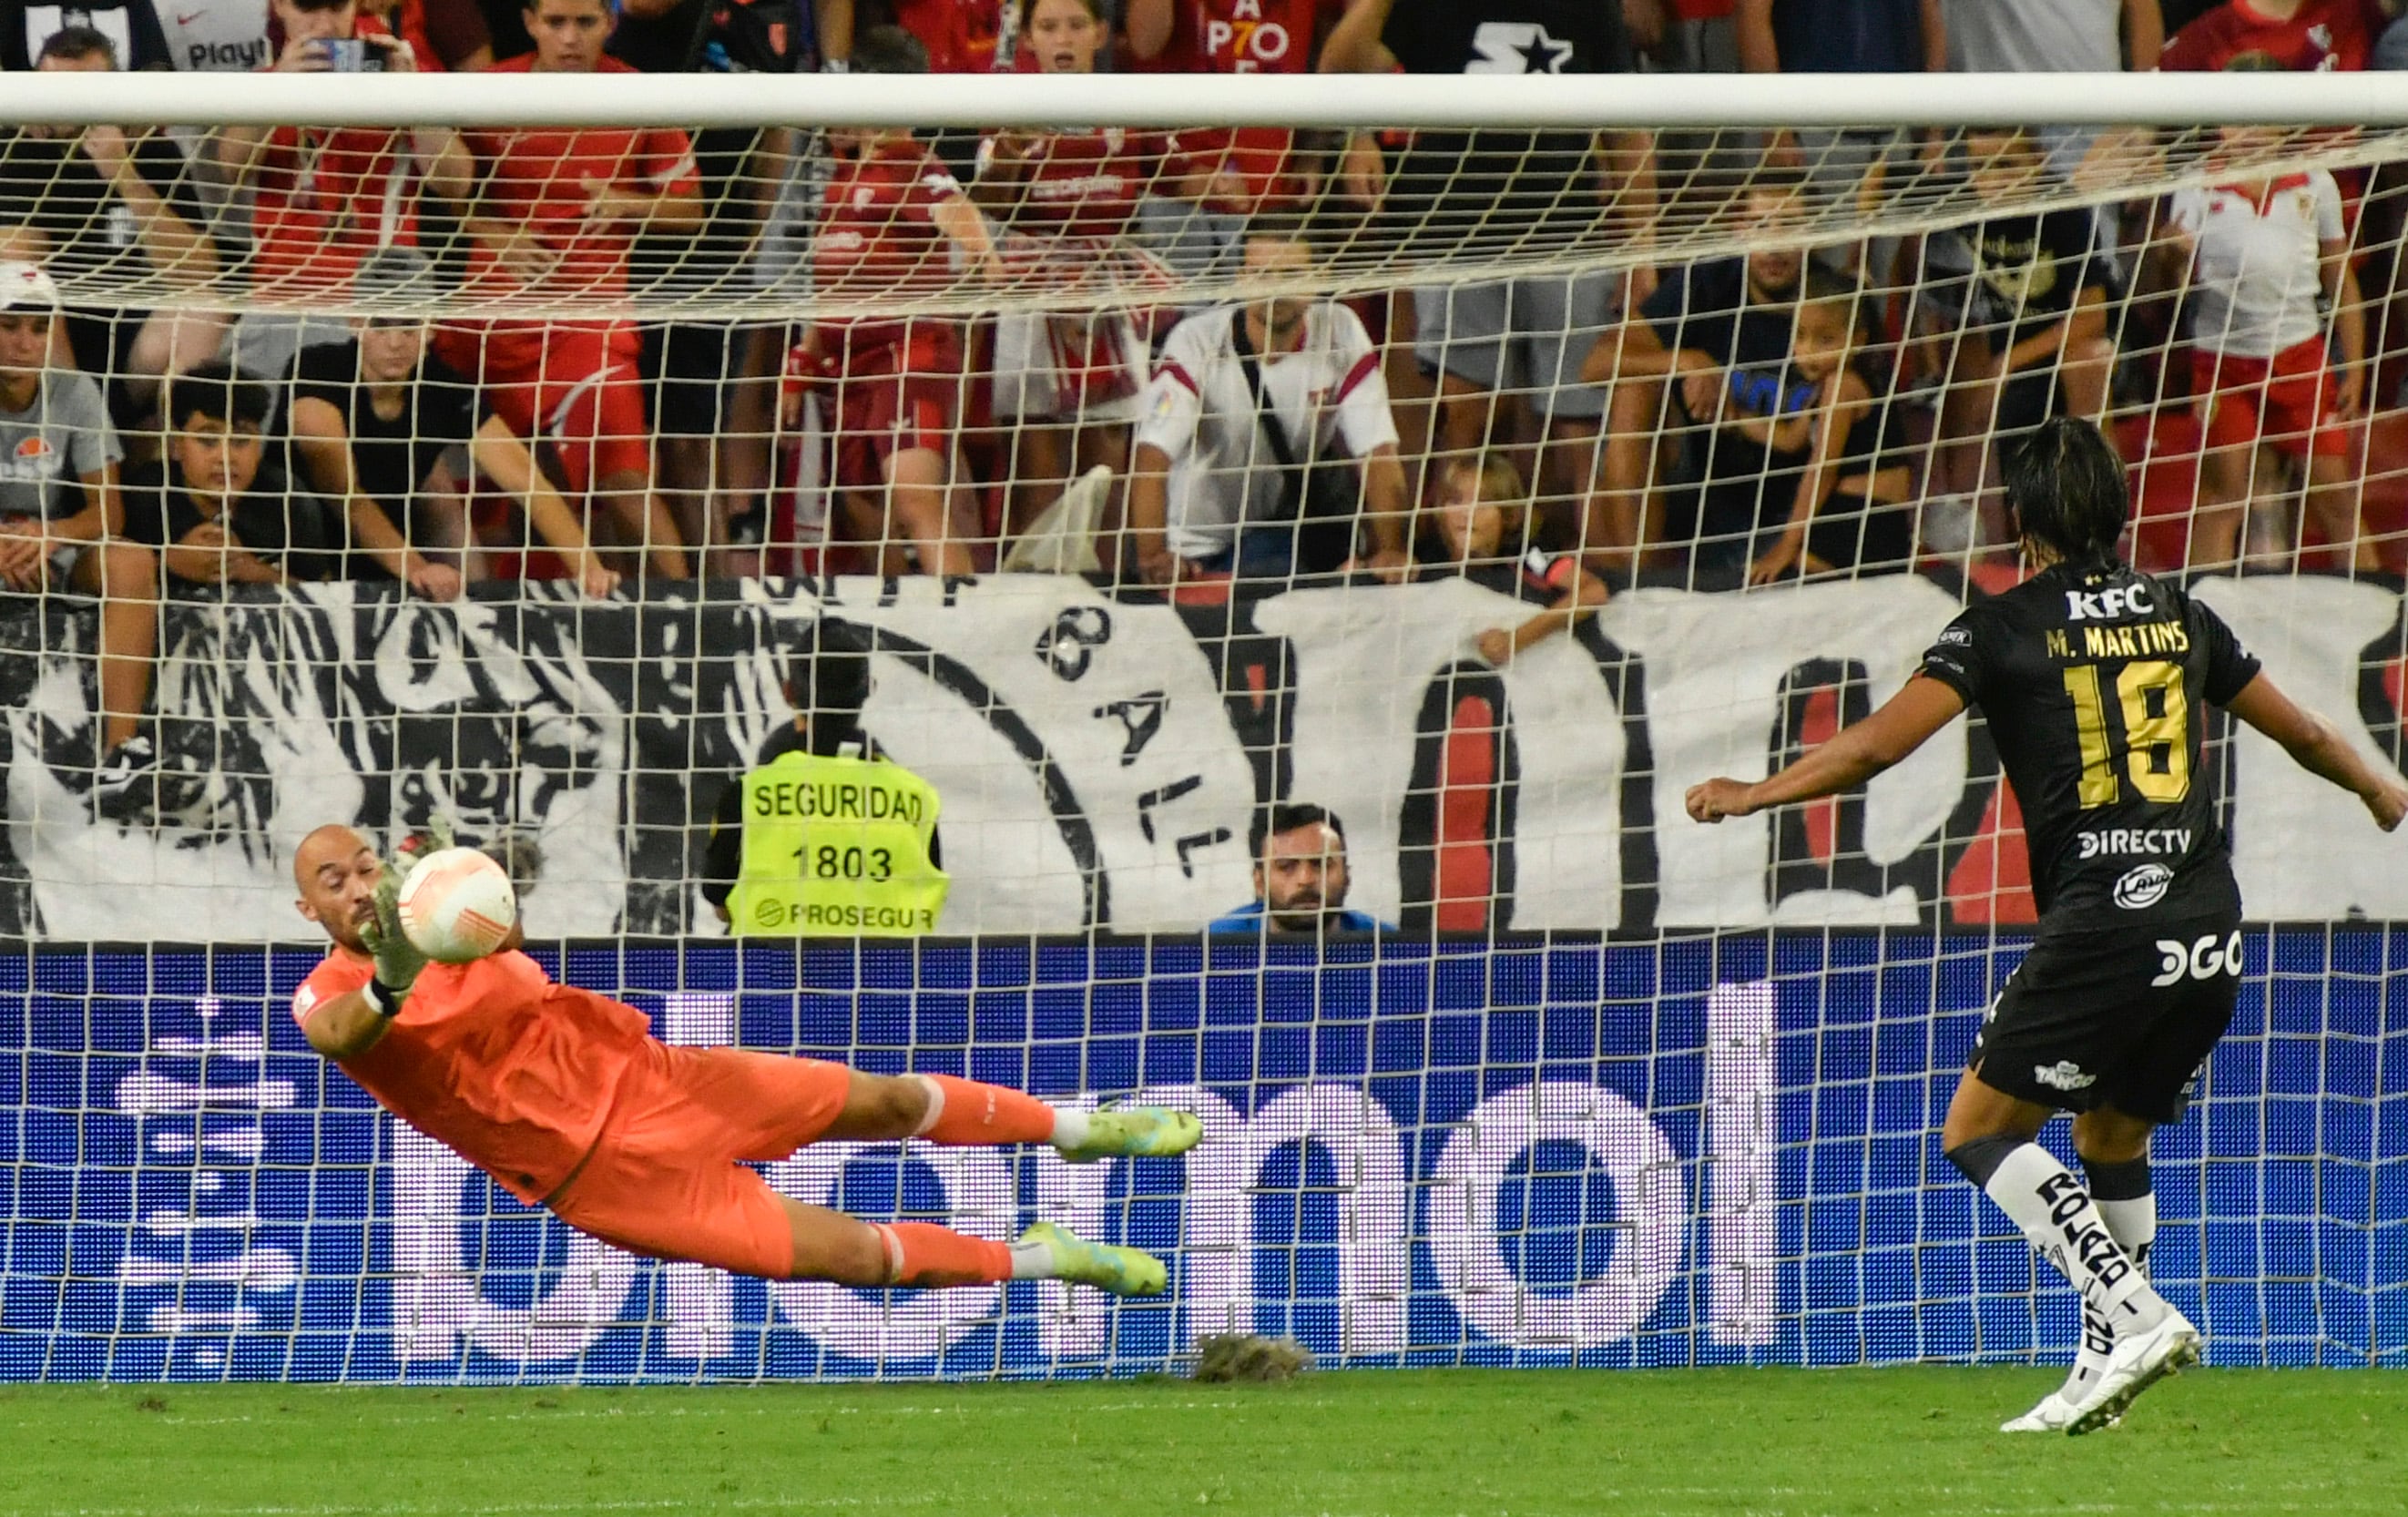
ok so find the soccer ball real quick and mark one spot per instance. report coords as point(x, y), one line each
point(457, 905)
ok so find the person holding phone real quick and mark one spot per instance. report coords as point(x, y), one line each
point(324, 200)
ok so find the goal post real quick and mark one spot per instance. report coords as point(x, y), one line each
point(1690, 430)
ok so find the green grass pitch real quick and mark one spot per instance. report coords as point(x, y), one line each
point(1481, 1443)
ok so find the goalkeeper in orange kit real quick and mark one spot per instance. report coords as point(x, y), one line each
point(568, 1101)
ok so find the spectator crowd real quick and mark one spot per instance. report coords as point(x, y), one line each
point(1792, 410)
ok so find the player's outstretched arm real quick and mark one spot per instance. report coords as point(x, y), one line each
point(1904, 725)
point(2318, 746)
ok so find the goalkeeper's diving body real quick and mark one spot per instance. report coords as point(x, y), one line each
point(566, 1100)
point(2090, 674)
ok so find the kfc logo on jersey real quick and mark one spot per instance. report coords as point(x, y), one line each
point(2107, 605)
point(1517, 48)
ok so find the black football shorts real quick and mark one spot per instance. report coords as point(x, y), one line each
point(2123, 1018)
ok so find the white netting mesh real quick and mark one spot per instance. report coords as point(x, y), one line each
point(1729, 403)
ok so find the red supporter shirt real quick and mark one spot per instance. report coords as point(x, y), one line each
point(877, 234)
point(2325, 34)
point(321, 201)
point(960, 34)
point(1085, 183)
point(535, 177)
point(1244, 36)
point(491, 1059)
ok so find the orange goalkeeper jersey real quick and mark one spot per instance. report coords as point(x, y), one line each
point(513, 1073)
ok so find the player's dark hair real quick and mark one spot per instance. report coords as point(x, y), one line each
point(888, 49)
point(2066, 487)
point(214, 391)
point(1286, 816)
point(77, 43)
point(827, 679)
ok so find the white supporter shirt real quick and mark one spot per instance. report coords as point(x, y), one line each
point(1200, 413)
point(2257, 277)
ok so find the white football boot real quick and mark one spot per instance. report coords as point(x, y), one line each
point(2142, 1358)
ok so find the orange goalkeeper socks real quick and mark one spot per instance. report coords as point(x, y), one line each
point(968, 1114)
point(923, 1253)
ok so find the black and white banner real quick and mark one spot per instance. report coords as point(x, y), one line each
point(1099, 758)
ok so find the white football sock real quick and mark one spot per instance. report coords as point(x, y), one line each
point(2056, 1214)
point(1069, 1127)
point(1032, 1261)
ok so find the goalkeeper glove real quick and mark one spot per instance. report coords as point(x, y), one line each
point(397, 959)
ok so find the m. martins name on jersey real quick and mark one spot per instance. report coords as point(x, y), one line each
point(2091, 680)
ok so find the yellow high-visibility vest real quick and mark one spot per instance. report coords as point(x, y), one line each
point(836, 847)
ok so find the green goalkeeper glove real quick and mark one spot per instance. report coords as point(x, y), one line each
point(397, 959)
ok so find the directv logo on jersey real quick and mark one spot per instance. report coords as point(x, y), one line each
point(2142, 887)
point(2064, 1075)
point(1517, 48)
point(2144, 840)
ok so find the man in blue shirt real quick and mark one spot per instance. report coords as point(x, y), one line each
point(1299, 854)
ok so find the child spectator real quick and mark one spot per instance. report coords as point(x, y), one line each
point(61, 520)
point(116, 207)
point(373, 420)
point(130, 28)
point(2258, 253)
point(1728, 317)
point(556, 214)
point(2031, 339)
point(1066, 386)
point(893, 220)
point(2300, 36)
point(1484, 515)
point(213, 508)
point(1832, 464)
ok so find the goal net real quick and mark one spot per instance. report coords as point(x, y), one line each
point(1483, 480)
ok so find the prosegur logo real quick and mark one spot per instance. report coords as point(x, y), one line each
point(2144, 887)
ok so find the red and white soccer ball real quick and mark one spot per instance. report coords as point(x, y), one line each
point(457, 905)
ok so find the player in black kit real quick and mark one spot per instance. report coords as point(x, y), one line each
point(2091, 677)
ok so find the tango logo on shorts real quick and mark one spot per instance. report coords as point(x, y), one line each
point(2144, 886)
point(2064, 1075)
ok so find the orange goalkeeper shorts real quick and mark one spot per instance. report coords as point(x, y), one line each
point(666, 1178)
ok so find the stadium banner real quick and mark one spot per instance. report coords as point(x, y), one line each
point(1100, 757)
point(1716, 1151)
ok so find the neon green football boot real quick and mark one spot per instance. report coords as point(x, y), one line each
point(1153, 1131)
point(1107, 1266)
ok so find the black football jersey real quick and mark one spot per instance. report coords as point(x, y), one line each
point(1507, 37)
point(2091, 684)
point(1498, 186)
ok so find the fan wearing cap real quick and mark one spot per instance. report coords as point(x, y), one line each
point(60, 517)
point(827, 837)
point(374, 419)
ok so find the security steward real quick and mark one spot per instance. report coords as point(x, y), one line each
point(827, 838)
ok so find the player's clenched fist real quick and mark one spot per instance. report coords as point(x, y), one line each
point(1718, 798)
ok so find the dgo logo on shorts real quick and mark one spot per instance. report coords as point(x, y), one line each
point(2144, 886)
point(2205, 959)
